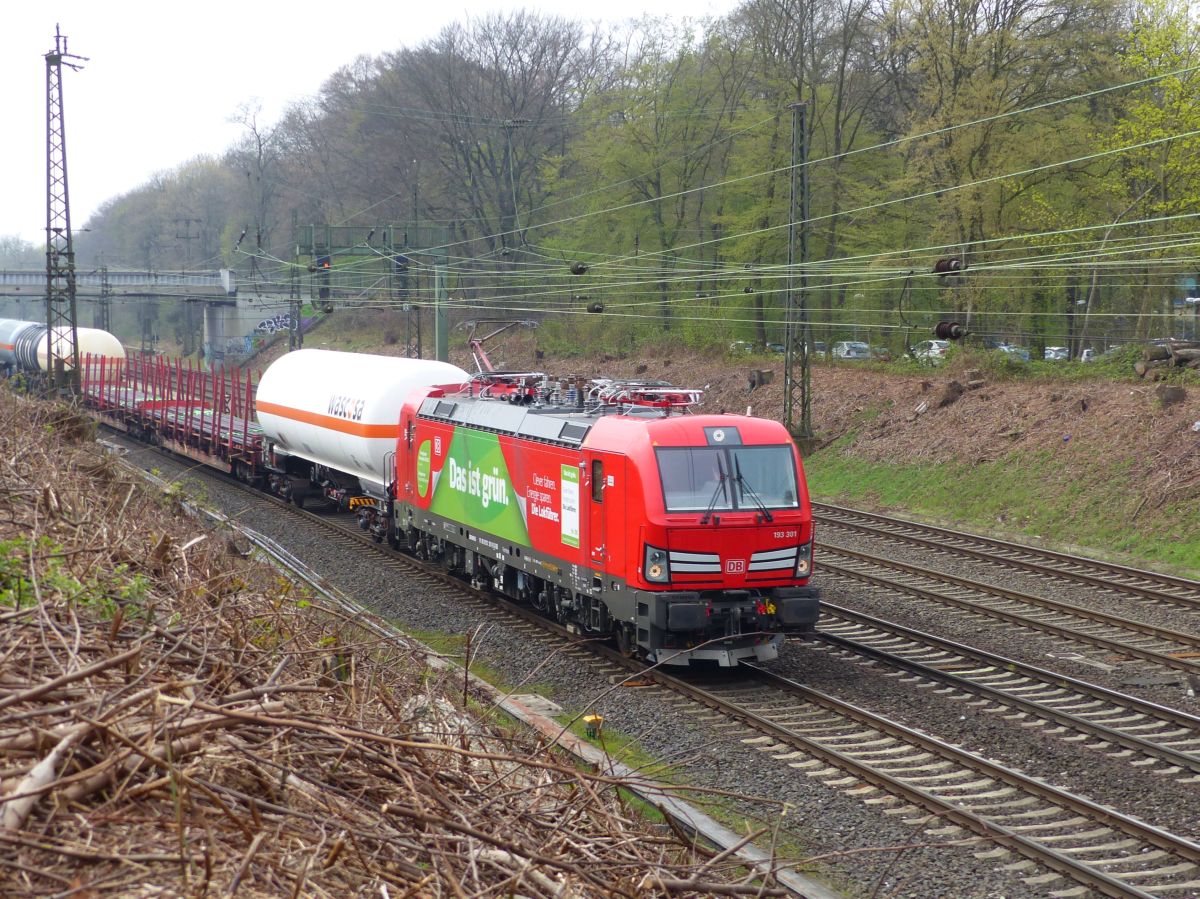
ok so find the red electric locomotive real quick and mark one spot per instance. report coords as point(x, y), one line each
point(686, 537)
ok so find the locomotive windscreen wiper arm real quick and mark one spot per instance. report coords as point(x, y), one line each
point(720, 489)
point(747, 489)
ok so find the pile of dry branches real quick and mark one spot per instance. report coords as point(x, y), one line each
point(176, 719)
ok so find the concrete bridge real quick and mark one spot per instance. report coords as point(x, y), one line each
point(211, 286)
point(234, 322)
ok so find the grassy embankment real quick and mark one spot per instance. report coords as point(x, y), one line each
point(1098, 514)
point(1094, 500)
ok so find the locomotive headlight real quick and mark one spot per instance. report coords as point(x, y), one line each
point(804, 560)
point(657, 567)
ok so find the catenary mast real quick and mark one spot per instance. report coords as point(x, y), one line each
point(62, 340)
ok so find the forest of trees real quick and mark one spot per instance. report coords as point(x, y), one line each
point(1051, 147)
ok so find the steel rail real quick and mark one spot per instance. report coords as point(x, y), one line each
point(1077, 870)
point(1113, 646)
point(1134, 703)
point(1038, 710)
point(1030, 599)
point(1057, 564)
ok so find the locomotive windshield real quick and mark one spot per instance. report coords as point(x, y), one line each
point(722, 479)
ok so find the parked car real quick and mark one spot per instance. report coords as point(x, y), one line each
point(776, 348)
point(1093, 355)
point(1016, 352)
point(740, 347)
point(931, 351)
point(851, 349)
point(819, 346)
point(1056, 354)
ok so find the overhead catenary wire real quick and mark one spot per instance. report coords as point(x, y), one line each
point(907, 255)
point(1017, 243)
point(651, 279)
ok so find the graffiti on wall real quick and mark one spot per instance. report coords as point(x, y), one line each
point(278, 323)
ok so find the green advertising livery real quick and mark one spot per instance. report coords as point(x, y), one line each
point(474, 486)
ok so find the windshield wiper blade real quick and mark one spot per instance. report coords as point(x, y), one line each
point(747, 489)
point(720, 489)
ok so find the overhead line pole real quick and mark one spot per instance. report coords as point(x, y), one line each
point(103, 316)
point(62, 323)
point(295, 308)
point(798, 391)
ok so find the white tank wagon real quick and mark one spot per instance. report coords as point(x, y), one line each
point(24, 346)
point(332, 417)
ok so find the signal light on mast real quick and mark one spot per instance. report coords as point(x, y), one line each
point(324, 265)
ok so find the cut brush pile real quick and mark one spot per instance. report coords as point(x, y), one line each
point(177, 719)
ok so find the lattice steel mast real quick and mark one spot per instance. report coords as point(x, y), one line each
point(62, 340)
point(797, 393)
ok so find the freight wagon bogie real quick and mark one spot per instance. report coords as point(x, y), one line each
point(308, 485)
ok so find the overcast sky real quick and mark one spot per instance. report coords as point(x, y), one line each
point(162, 79)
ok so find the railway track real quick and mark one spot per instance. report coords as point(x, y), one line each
point(1152, 586)
point(886, 763)
point(1097, 848)
point(1124, 725)
point(1121, 637)
point(1081, 846)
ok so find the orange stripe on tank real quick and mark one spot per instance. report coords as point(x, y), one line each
point(330, 422)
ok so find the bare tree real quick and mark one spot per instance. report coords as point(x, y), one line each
point(496, 94)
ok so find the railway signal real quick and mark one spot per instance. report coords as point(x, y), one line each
point(324, 266)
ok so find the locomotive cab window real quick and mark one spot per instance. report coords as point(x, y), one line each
point(597, 481)
point(720, 479)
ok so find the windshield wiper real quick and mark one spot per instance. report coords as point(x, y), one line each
point(747, 489)
point(720, 490)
